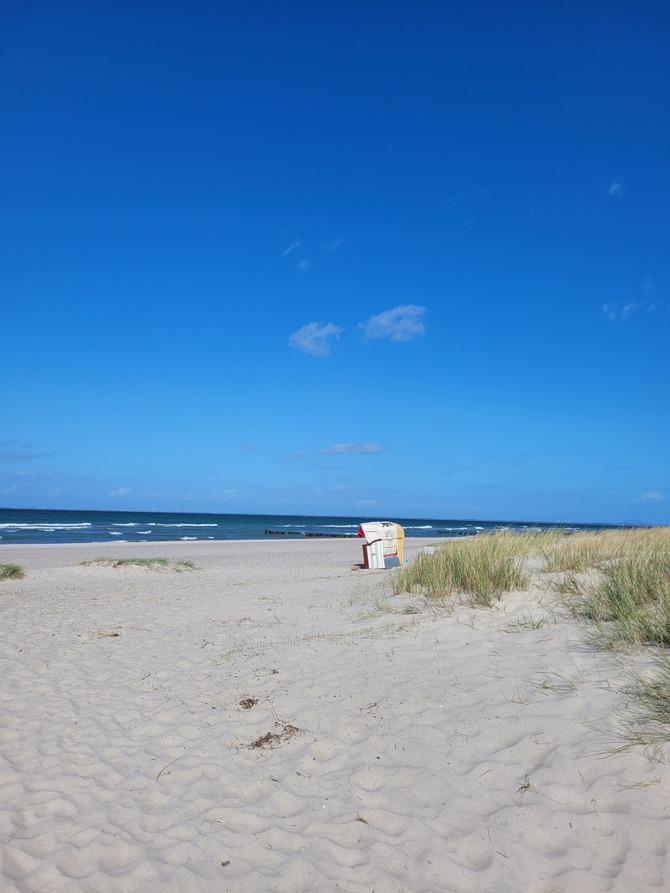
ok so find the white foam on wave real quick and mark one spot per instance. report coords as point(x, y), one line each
point(154, 524)
point(157, 524)
point(46, 528)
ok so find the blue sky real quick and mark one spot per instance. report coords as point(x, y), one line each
point(369, 258)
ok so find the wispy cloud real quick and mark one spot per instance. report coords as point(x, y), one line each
point(122, 491)
point(651, 496)
point(621, 312)
point(334, 244)
point(16, 443)
point(315, 339)
point(303, 266)
point(292, 457)
point(22, 455)
point(217, 496)
point(523, 459)
point(618, 312)
point(403, 323)
point(615, 189)
point(296, 243)
point(340, 449)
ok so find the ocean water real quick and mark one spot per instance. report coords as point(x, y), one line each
point(59, 526)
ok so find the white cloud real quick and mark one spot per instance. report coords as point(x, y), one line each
point(620, 312)
point(296, 243)
point(615, 189)
point(402, 323)
point(292, 457)
point(340, 449)
point(122, 491)
point(315, 339)
point(651, 496)
point(303, 266)
point(627, 309)
point(22, 456)
point(18, 451)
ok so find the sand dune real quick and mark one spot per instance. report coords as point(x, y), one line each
point(274, 720)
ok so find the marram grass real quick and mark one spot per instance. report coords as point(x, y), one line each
point(11, 571)
point(580, 551)
point(149, 563)
point(628, 597)
point(617, 582)
point(481, 569)
point(650, 721)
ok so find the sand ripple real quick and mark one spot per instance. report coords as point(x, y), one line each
point(248, 727)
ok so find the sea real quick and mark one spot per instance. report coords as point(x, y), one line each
point(35, 526)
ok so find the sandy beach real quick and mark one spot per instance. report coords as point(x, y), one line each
point(273, 719)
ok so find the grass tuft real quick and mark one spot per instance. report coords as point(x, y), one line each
point(481, 569)
point(615, 582)
point(618, 583)
point(579, 551)
point(149, 563)
point(654, 700)
point(11, 572)
point(628, 598)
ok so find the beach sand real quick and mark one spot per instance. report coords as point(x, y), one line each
point(275, 720)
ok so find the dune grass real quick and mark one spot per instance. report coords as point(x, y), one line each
point(11, 572)
point(627, 594)
point(480, 569)
point(650, 720)
point(620, 576)
point(149, 563)
point(617, 579)
point(580, 551)
point(615, 582)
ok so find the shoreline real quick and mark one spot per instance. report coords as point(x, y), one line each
point(36, 527)
point(207, 548)
point(276, 720)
